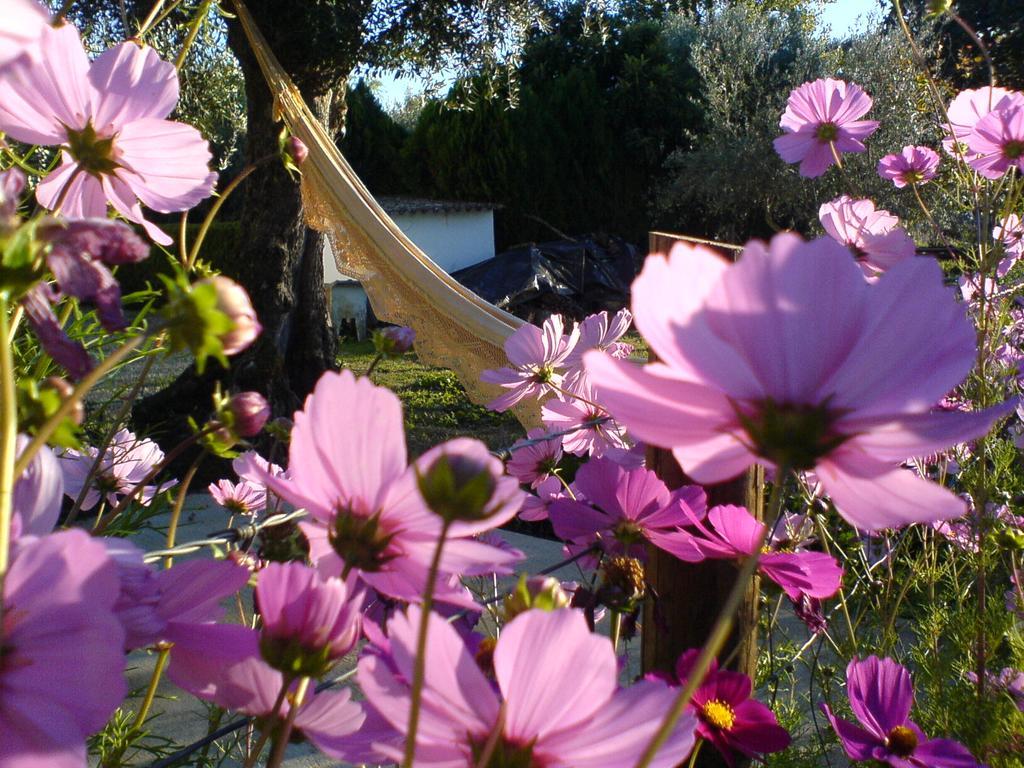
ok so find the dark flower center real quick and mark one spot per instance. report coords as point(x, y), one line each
point(793, 435)
point(628, 532)
point(912, 176)
point(505, 754)
point(828, 132)
point(1013, 149)
point(360, 542)
point(901, 741)
point(718, 714)
point(291, 657)
point(93, 154)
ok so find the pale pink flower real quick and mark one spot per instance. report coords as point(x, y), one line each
point(109, 119)
point(234, 302)
point(538, 362)
point(914, 165)
point(37, 493)
point(535, 507)
point(822, 120)
point(366, 513)
point(1010, 232)
point(601, 331)
point(790, 358)
point(62, 671)
point(997, 142)
point(966, 110)
point(873, 235)
point(126, 463)
point(24, 23)
point(556, 701)
point(579, 406)
point(252, 467)
point(241, 498)
point(533, 460)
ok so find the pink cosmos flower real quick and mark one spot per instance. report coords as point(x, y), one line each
point(732, 532)
point(735, 724)
point(821, 121)
point(966, 110)
point(881, 696)
point(534, 459)
point(241, 498)
point(37, 493)
point(535, 507)
point(538, 362)
point(914, 165)
point(577, 406)
point(1010, 232)
point(997, 142)
point(790, 358)
point(61, 676)
point(367, 515)
point(109, 118)
point(126, 463)
point(601, 331)
point(542, 711)
point(24, 23)
point(873, 235)
point(168, 604)
point(305, 614)
point(625, 509)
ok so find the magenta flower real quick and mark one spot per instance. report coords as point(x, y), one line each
point(61, 676)
point(997, 142)
point(542, 710)
point(534, 459)
point(821, 121)
point(24, 23)
point(735, 724)
point(535, 507)
point(367, 515)
point(306, 619)
point(914, 165)
point(241, 498)
point(126, 463)
point(109, 119)
point(873, 235)
point(789, 358)
point(578, 406)
point(881, 696)
point(1010, 232)
point(732, 532)
point(37, 493)
point(538, 362)
point(966, 110)
point(394, 340)
point(625, 509)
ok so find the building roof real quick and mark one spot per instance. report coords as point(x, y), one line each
point(405, 205)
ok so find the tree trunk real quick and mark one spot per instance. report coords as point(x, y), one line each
point(280, 263)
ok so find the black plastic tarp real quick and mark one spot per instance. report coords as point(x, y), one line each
point(568, 277)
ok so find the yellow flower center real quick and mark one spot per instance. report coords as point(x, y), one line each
point(901, 741)
point(719, 714)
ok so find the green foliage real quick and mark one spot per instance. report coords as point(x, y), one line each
point(373, 142)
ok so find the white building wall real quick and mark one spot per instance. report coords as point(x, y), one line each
point(454, 240)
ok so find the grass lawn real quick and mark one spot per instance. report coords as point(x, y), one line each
point(436, 405)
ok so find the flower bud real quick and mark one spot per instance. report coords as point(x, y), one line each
point(394, 340)
point(250, 412)
point(296, 149)
point(12, 184)
point(458, 487)
point(234, 302)
point(542, 592)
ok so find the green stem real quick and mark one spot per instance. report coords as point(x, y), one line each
point(217, 205)
point(696, 751)
point(8, 438)
point(373, 365)
point(420, 662)
point(193, 32)
point(67, 406)
point(179, 502)
point(719, 633)
point(616, 630)
point(281, 742)
point(154, 683)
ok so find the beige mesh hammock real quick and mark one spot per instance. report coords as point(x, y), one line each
point(454, 327)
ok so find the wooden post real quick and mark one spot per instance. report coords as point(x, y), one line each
point(686, 598)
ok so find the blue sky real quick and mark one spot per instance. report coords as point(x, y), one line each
point(842, 16)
